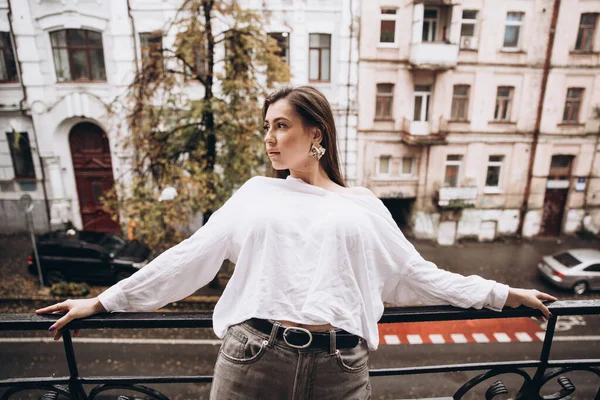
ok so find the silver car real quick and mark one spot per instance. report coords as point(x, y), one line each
point(577, 269)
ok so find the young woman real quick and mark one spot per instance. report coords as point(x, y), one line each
point(315, 261)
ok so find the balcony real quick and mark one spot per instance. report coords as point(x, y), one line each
point(534, 375)
point(425, 132)
point(435, 36)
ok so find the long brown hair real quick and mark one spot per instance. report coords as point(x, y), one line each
point(315, 111)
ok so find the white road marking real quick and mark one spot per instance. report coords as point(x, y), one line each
point(480, 338)
point(414, 339)
point(502, 337)
point(523, 337)
point(587, 338)
point(458, 338)
point(391, 339)
point(541, 335)
point(437, 339)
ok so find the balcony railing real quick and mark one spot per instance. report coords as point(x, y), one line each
point(546, 370)
point(433, 131)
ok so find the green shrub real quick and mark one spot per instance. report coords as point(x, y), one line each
point(73, 289)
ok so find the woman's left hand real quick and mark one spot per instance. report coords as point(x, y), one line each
point(530, 298)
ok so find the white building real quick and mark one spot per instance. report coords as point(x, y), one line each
point(450, 100)
point(64, 62)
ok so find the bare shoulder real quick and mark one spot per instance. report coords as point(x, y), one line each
point(361, 190)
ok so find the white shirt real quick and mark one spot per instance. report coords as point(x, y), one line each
point(302, 254)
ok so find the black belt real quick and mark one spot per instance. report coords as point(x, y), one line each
point(302, 338)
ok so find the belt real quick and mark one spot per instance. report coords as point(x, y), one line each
point(302, 338)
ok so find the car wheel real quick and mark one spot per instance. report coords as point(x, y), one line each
point(580, 287)
point(122, 275)
point(53, 277)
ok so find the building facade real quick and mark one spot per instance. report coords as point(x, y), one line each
point(451, 110)
point(65, 63)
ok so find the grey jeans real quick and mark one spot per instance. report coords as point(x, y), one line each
point(252, 365)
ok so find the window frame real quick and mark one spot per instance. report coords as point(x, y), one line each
point(508, 104)
point(460, 98)
point(436, 27)
point(384, 97)
point(457, 163)
point(578, 38)
point(569, 101)
point(520, 25)
point(412, 167)
point(28, 156)
point(388, 17)
point(6, 53)
point(469, 21)
point(71, 49)
point(389, 168)
point(310, 48)
point(151, 34)
point(500, 165)
point(285, 35)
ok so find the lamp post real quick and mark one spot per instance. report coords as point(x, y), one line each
point(27, 205)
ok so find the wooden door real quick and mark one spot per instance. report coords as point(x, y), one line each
point(554, 208)
point(93, 175)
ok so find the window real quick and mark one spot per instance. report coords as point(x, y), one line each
point(407, 165)
point(514, 21)
point(494, 169)
point(283, 41)
point(573, 104)
point(460, 103)
point(8, 66)
point(78, 55)
point(593, 268)
point(430, 24)
point(585, 36)
point(388, 26)
point(422, 95)
point(198, 67)
point(319, 57)
point(503, 103)
point(468, 23)
point(453, 163)
point(384, 101)
point(152, 57)
point(20, 151)
point(385, 163)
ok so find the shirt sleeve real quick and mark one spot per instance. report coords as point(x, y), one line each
point(181, 270)
point(415, 281)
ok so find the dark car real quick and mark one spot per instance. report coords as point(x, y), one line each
point(87, 256)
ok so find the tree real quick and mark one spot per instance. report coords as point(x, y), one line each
point(204, 142)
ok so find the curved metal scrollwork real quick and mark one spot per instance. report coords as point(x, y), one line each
point(52, 392)
point(497, 387)
point(153, 393)
point(567, 386)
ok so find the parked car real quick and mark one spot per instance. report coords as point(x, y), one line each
point(576, 269)
point(87, 256)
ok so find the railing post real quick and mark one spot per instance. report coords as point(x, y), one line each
point(544, 356)
point(75, 387)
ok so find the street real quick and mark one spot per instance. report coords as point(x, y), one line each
point(192, 352)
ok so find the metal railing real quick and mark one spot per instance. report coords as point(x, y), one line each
point(545, 370)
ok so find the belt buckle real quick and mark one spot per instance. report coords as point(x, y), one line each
point(297, 328)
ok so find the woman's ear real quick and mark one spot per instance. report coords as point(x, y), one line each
point(317, 135)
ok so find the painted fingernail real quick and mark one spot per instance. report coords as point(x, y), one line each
point(550, 314)
point(52, 328)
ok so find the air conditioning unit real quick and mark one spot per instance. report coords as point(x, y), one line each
point(468, 42)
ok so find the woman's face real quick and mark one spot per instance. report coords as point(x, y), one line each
point(287, 140)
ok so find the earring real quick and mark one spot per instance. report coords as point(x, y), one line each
point(317, 151)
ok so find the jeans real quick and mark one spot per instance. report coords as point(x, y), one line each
point(252, 365)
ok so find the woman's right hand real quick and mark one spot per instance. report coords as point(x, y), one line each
point(72, 309)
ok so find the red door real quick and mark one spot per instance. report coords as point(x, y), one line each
point(93, 175)
point(554, 208)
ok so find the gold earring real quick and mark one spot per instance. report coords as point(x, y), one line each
point(317, 151)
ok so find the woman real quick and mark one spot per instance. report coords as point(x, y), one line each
point(315, 261)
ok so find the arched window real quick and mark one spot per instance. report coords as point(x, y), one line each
point(78, 55)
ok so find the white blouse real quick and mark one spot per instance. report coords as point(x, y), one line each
point(304, 254)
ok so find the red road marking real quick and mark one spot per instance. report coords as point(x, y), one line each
point(467, 328)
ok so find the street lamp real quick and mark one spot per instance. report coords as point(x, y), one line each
point(27, 206)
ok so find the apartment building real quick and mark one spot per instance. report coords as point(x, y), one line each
point(63, 63)
point(451, 112)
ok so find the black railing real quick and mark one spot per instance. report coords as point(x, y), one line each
point(545, 370)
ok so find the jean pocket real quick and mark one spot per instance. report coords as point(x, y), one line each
point(355, 359)
point(240, 348)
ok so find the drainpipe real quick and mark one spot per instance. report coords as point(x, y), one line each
point(135, 53)
point(591, 174)
point(22, 108)
point(538, 119)
point(348, 90)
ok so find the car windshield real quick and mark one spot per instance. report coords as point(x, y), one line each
point(567, 259)
point(112, 244)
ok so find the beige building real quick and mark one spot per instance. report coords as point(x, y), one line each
point(450, 115)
